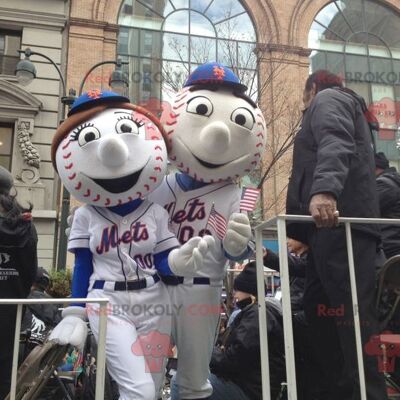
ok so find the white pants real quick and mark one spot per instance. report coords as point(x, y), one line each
point(138, 338)
point(194, 331)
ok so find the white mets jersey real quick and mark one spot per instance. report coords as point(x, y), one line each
point(122, 246)
point(189, 213)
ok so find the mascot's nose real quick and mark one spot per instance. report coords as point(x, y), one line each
point(215, 137)
point(112, 151)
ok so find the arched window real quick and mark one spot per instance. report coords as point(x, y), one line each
point(165, 40)
point(360, 40)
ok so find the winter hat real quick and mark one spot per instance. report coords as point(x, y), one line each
point(381, 161)
point(6, 180)
point(215, 73)
point(246, 281)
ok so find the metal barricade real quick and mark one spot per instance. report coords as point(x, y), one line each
point(280, 222)
point(101, 355)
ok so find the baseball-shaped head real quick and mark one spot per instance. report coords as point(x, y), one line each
point(108, 151)
point(216, 132)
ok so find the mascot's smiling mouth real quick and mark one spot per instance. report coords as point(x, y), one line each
point(209, 165)
point(119, 185)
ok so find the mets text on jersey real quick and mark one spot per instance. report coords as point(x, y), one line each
point(110, 238)
point(195, 211)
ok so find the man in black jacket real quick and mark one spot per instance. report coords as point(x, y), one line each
point(333, 173)
point(388, 186)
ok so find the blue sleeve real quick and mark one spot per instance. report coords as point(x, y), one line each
point(83, 269)
point(246, 254)
point(161, 262)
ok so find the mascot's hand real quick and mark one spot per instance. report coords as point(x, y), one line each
point(70, 219)
point(238, 234)
point(72, 329)
point(188, 259)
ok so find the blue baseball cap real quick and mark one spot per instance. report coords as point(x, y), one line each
point(95, 97)
point(214, 73)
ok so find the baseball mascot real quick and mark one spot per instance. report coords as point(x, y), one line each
point(217, 135)
point(110, 155)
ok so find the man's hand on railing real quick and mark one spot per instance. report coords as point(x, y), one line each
point(323, 210)
point(72, 329)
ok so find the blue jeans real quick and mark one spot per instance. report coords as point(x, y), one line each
point(222, 390)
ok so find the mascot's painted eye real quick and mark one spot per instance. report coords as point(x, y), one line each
point(243, 117)
point(128, 125)
point(85, 134)
point(200, 105)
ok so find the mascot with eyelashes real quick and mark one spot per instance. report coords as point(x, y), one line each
point(216, 135)
point(110, 155)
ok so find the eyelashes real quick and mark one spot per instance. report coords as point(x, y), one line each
point(75, 133)
point(137, 121)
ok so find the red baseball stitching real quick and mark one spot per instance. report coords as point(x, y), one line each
point(157, 168)
point(78, 186)
point(67, 156)
point(153, 178)
point(178, 106)
point(108, 202)
point(87, 194)
point(69, 166)
point(72, 176)
point(146, 186)
point(66, 145)
point(97, 198)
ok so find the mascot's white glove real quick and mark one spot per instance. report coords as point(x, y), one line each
point(72, 329)
point(238, 234)
point(188, 259)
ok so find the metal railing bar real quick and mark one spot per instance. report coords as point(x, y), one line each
point(262, 310)
point(15, 353)
point(101, 353)
point(287, 310)
point(53, 301)
point(309, 218)
point(356, 314)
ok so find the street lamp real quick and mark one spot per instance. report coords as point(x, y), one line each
point(26, 72)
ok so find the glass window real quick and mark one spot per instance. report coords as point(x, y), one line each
point(361, 38)
point(222, 9)
point(177, 22)
point(165, 39)
point(6, 140)
point(202, 49)
point(200, 25)
point(175, 47)
point(10, 42)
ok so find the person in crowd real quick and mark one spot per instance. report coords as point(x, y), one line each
point(388, 186)
point(333, 174)
point(236, 366)
point(18, 265)
point(297, 258)
point(48, 314)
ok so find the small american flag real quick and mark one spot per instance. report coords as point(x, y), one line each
point(249, 199)
point(217, 222)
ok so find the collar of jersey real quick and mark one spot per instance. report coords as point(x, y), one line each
point(127, 208)
point(187, 183)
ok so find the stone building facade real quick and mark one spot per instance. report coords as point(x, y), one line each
point(29, 115)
